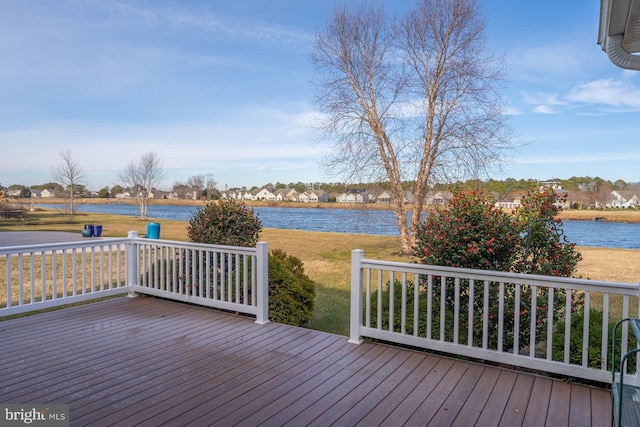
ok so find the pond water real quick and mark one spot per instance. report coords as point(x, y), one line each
point(363, 221)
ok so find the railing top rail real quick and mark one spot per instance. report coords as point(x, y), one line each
point(192, 245)
point(497, 276)
point(14, 250)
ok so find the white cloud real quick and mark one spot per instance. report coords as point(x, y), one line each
point(606, 92)
point(544, 109)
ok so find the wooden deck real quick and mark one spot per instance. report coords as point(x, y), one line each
point(144, 361)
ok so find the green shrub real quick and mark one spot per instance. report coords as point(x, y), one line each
point(225, 222)
point(229, 223)
point(594, 347)
point(291, 292)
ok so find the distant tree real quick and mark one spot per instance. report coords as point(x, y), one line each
point(210, 186)
point(116, 189)
point(51, 186)
point(409, 99)
point(104, 193)
point(620, 184)
point(69, 174)
point(25, 193)
point(142, 176)
point(196, 183)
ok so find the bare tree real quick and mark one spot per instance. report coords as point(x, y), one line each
point(68, 173)
point(210, 185)
point(142, 176)
point(409, 99)
point(196, 185)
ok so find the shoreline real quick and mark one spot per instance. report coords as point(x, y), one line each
point(618, 215)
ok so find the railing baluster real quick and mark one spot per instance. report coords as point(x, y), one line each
point(604, 351)
point(208, 276)
point(550, 322)
point(200, 273)
point(20, 280)
point(516, 320)
point(93, 269)
point(43, 276)
point(65, 278)
point(84, 270)
point(379, 314)
point(54, 275)
point(391, 300)
point(443, 310)
point(567, 327)
point(456, 311)
point(585, 329)
point(416, 304)
point(470, 326)
point(485, 316)
point(32, 274)
point(237, 269)
point(501, 310)
point(216, 281)
point(403, 303)
point(429, 306)
point(9, 281)
point(533, 311)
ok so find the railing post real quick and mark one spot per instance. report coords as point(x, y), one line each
point(357, 255)
point(262, 283)
point(132, 266)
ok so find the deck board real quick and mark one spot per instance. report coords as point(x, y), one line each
point(149, 362)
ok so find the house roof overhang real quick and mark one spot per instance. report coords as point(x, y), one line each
point(619, 34)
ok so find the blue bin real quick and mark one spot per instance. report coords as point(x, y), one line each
point(97, 231)
point(89, 227)
point(153, 230)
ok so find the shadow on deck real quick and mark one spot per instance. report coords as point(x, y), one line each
point(146, 361)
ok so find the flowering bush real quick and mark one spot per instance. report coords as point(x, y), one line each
point(549, 253)
point(470, 232)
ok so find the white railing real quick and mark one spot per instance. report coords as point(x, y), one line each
point(36, 277)
point(553, 323)
point(43, 276)
point(224, 277)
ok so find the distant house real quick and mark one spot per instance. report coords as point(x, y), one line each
point(48, 193)
point(380, 196)
point(353, 196)
point(285, 195)
point(438, 197)
point(303, 197)
point(515, 203)
point(123, 195)
point(235, 194)
point(623, 199)
point(318, 196)
point(262, 194)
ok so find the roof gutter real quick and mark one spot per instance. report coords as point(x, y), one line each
point(619, 56)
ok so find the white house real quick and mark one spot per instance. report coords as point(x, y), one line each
point(318, 196)
point(303, 197)
point(262, 194)
point(353, 196)
point(285, 194)
point(47, 193)
point(623, 199)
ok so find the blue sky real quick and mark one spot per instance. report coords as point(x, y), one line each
point(222, 88)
